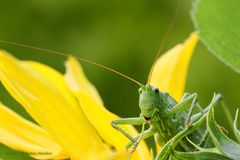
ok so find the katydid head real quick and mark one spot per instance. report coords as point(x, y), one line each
point(149, 100)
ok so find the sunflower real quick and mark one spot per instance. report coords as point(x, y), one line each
point(71, 121)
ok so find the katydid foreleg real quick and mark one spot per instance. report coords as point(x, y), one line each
point(138, 140)
point(127, 121)
point(133, 121)
point(146, 134)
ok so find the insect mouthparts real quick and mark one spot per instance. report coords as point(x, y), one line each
point(147, 118)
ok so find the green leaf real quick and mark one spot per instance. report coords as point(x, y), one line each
point(236, 130)
point(224, 144)
point(218, 24)
point(199, 155)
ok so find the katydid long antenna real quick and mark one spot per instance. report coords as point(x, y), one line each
point(165, 37)
point(66, 55)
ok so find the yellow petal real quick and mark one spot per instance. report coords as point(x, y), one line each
point(25, 136)
point(77, 80)
point(59, 113)
point(170, 71)
point(99, 116)
point(101, 119)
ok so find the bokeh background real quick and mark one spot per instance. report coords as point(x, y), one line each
point(124, 35)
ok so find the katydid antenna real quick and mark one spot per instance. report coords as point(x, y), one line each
point(66, 55)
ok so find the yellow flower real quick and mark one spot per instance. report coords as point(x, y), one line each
point(72, 121)
point(170, 71)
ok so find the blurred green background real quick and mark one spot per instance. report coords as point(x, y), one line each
point(124, 35)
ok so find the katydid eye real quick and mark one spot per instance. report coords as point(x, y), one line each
point(156, 90)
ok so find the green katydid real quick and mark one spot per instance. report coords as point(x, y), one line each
point(165, 116)
point(160, 110)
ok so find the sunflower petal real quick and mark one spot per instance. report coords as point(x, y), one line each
point(57, 112)
point(170, 71)
point(77, 80)
point(98, 115)
point(25, 136)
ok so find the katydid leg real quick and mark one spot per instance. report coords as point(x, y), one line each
point(187, 101)
point(193, 104)
point(146, 134)
point(185, 95)
point(198, 115)
point(138, 140)
point(127, 121)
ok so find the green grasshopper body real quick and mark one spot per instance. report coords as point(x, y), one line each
point(156, 110)
point(166, 118)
